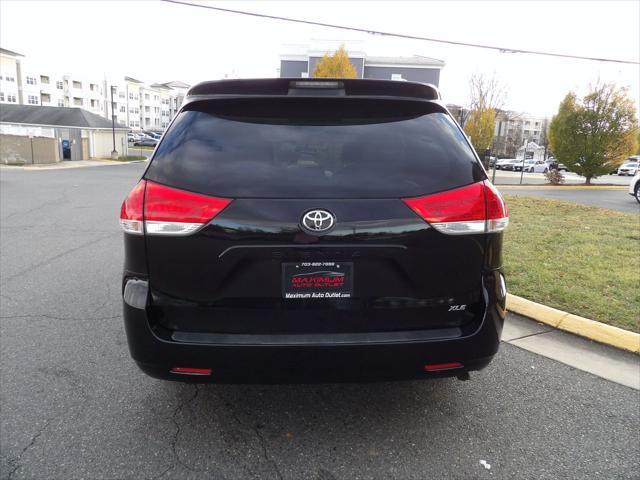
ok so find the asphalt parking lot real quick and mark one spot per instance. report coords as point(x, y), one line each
point(73, 404)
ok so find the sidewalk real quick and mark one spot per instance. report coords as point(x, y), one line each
point(69, 164)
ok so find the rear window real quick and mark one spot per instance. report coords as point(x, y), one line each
point(314, 148)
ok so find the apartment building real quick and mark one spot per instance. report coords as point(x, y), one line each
point(300, 61)
point(512, 129)
point(138, 105)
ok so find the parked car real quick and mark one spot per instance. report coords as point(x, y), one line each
point(634, 186)
point(145, 142)
point(554, 165)
point(537, 166)
point(518, 165)
point(628, 168)
point(154, 135)
point(505, 164)
point(276, 242)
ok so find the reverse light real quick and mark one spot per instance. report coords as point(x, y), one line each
point(475, 208)
point(161, 210)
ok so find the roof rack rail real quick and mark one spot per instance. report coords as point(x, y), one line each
point(315, 87)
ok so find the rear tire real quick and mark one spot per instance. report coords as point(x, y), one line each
point(637, 192)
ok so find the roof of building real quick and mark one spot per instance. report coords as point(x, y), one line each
point(53, 116)
point(177, 84)
point(9, 52)
point(131, 79)
point(413, 60)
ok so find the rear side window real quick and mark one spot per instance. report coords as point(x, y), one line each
point(314, 148)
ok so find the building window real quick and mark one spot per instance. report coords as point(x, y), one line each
point(1, 97)
point(32, 100)
point(59, 85)
point(123, 109)
point(61, 103)
point(121, 94)
point(11, 98)
point(9, 79)
point(77, 101)
point(146, 96)
point(31, 80)
point(135, 97)
point(146, 109)
point(44, 79)
point(77, 84)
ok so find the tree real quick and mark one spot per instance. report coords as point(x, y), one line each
point(594, 134)
point(480, 128)
point(487, 96)
point(335, 66)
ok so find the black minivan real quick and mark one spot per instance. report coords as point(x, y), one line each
point(313, 230)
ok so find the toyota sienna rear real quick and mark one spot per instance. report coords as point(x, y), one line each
point(316, 230)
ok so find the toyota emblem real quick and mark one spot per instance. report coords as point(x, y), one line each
point(318, 221)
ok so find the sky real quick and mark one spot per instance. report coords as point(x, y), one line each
point(157, 42)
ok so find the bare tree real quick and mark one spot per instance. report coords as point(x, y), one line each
point(487, 96)
point(486, 93)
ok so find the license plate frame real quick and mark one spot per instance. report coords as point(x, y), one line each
point(323, 280)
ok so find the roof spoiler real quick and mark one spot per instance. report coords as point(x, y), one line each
point(316, 87)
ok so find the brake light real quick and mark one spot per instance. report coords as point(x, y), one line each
point(475, 208)
point(497, 212)
point(131, 210)
point(168, 211)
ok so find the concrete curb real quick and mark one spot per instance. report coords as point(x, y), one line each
point(504, 186)
point(596, 331)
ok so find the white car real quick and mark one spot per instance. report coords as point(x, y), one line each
point(634, 186)
point(628, 168)
point(505, 164)
point(537, 166)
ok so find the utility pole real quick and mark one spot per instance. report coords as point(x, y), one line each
point(524, 156)
point(114, 152)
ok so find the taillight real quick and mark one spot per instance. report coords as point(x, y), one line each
point(497, 212)
point(131, 210)
point(475, 208)
point(171, 211)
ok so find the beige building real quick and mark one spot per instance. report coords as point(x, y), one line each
point(33, 134)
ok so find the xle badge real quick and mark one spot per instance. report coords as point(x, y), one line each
point(457, 308)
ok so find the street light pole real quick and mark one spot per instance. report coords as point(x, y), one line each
point(114, 152)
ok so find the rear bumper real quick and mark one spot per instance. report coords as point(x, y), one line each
point(292, 359)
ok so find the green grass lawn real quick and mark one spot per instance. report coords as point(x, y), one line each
point(580, 259)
